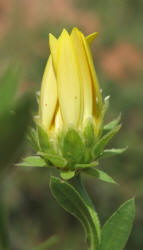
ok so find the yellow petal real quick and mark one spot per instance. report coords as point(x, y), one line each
point(97, 96)
point(53, 48)
point(91, 37)
point(58, 121)
point(68, 80)
point(48, 96)
point(86, 81)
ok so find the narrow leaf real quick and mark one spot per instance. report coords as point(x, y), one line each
point(56, 160)
point(112, 124)
point(32, 161)
point(101, 175)
point(71, 201)
point(111, 152)
point(88, 165)
point(99, 147)
point(105, 108)
point(116, 230)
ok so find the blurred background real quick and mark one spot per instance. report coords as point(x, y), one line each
point(29, 215)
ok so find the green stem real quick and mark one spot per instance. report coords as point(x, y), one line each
point(94, 229)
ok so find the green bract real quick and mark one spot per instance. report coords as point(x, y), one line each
point(73, 151)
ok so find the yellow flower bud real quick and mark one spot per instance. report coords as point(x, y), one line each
point(70, 93)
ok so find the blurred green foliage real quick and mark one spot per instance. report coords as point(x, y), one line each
point(33, 214)
point(15, 118)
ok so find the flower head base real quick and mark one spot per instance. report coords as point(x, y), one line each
point(70, 134)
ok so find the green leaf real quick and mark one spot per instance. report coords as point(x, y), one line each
point(70, 199)
point(32, 137)
point(99, 147)
point(47, 244)
point(111, 152)
point(116, 230)
point(101, 175)
point(73, 147)
point(32, 161)
point(89, 134)
point(43, 139)
point(84, 165)
point(112, 125)
point(56, 160)
point(67, 175)
point(8, 87)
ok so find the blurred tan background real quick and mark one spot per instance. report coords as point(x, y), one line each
point(33, 213)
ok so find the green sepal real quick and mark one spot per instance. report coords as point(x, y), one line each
point(89, 133)
point(32, 161)
point(101, 175)
point(56, 160)
point(116, 230)
point(114, 151)
point(87, 155)
point(72, 201)
point(79, 166)
point(105, 108)
point(111, 125)
point(32, 138)
point(67, 175)
point(73, 147)
point(45, 144)
point(99, 147)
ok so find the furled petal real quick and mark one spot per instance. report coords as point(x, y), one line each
point(68, 80)
point(58, 121)
point(48, 96)
point(97, 97)
point(53, 43)
point(91, 37)
point(86, 80)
